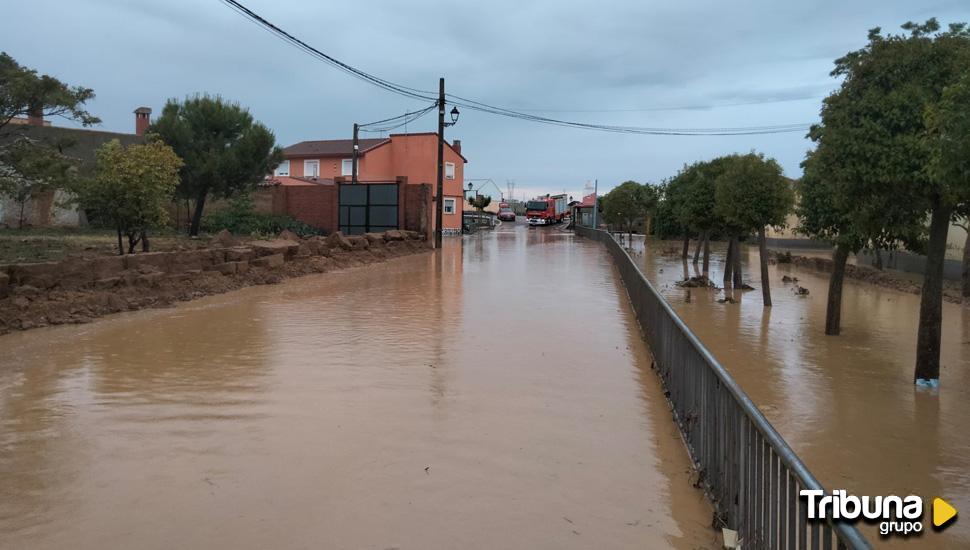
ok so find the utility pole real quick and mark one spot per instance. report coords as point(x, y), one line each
point(440, 210)
point(596, 200)
point(353, 177)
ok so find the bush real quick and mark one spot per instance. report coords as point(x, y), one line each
point(241, 218)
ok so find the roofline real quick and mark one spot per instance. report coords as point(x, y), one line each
point(450, 146)
point(383, 142)
point(331, 155)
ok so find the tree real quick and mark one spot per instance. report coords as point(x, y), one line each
point(224, 150)
point(695, 202)
point(480, 202)
point(30, 168)
point(752, 193)
point(628, 203)
point(825, 213)
point(25, 93)
point(949, 128)
point(878, 126)
point(131, 188)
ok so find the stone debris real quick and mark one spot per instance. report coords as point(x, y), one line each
point(699, 281)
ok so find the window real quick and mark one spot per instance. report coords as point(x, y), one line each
point(449, 170)
point(311, 168)
point(450, 205)
point(347, 167)
point(283, 169)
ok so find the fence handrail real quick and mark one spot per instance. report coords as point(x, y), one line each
point(846, 532)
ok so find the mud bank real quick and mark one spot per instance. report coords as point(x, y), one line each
point(79, 290)
point(888, 279)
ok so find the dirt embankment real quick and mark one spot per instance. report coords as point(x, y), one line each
point(81, 289)
point(887, 278)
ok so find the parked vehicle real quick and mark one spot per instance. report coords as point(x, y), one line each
point(505, 212)
point(546, 210)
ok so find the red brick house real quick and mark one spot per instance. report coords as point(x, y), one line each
point(410, 159)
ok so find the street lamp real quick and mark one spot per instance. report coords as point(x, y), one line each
point(439, 189)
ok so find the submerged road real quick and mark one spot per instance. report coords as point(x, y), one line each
point(495, 395)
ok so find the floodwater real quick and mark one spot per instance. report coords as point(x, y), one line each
point(495, 396)
point(846, 404)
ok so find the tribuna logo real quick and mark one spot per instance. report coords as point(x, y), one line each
point(894, 514)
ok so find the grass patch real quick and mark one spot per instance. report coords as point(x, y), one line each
point(51, 244)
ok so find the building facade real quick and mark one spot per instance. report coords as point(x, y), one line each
point(413, 157)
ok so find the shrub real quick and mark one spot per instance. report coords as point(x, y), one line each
point(241, 218)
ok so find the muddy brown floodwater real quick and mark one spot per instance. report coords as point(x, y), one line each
point(497, 396)
point(846, 404)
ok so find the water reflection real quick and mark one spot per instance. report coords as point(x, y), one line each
point(846, 404)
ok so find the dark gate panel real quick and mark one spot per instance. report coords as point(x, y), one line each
point(366, 208)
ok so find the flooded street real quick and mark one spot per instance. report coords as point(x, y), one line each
point(495, 396)
point(846, 404)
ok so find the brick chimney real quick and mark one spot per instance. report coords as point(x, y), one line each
point(456, 145)
point(143, 117)
point(35, 115)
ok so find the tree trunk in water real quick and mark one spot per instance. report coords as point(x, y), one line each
point(686, 252)
point(833, 308)
point(197, 214)
point(707, 253)
point(121, 247)
point(736, 268)
point(931, 302)
point(763, 256)
point(144, 241)
point(728, 264)
point(966, 266)
point(697, 249)
point(133, 239)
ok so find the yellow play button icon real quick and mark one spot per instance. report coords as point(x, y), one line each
point(942, 512)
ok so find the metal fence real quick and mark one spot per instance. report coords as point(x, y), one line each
point(748, 471)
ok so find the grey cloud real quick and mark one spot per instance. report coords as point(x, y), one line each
point(753, 62)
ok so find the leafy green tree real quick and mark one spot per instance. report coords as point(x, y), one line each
point(695, 202)
point(629, 203)
point(224, 150)
point(824, 213)
point(949, 127)
point(479, 203)
point(29, 169)
point(750, 194)
point(878, 126)
point(23, 92)
point(131, 188)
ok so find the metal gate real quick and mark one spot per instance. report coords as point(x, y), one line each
point(366, 208)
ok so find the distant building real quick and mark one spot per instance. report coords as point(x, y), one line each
point(50, 209)
point(406, 158)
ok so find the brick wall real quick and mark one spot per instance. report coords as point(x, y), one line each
point(315, 205)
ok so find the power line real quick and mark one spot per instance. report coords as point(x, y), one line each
point(415, 93)
point(396, 122)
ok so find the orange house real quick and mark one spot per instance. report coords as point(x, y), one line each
point(413, 156)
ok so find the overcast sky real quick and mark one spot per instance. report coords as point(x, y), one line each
point(694, 64)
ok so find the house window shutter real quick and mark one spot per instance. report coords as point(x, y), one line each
point(450, 170)
point(347, 167)
point(311, 168)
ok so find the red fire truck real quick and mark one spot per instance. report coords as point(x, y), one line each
point(546, 210)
